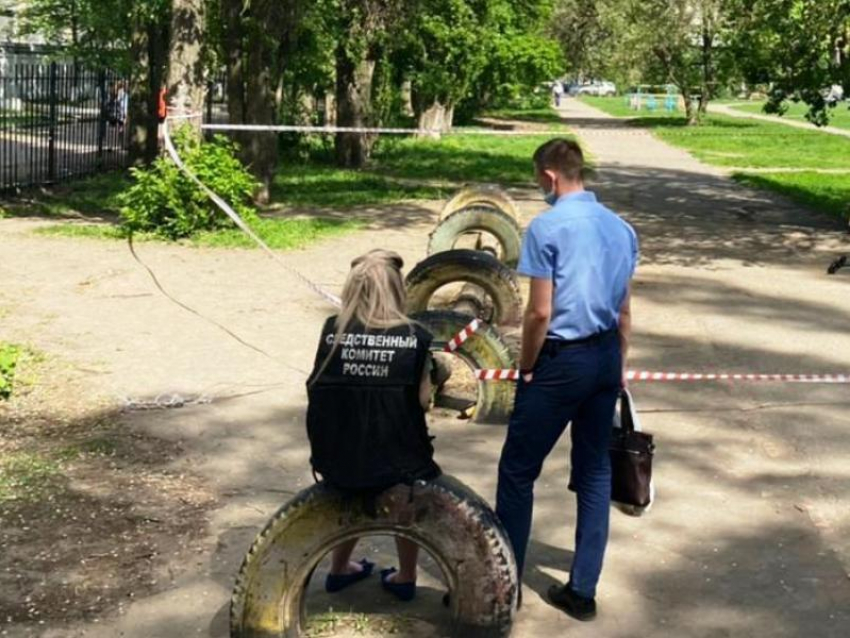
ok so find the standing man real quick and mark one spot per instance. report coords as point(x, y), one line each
point(580, 257)
point(557, 91)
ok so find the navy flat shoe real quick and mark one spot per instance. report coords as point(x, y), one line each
point(338, 582)
point(402, 591)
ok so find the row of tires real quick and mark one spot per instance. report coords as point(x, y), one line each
point(489, 211)
point(447, 518)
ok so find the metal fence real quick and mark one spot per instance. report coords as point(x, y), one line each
point(58, 121)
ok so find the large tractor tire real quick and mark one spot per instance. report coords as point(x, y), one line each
point(473, 219)
point(443, 516)
point(470, 266)
point(484, 350)
point(483, 195)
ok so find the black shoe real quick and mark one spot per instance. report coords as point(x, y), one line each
point(578, 607)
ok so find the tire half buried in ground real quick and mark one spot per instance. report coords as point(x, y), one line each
point(470, 266)
point(483, 219)
point(484, 350)
point(443, 516)
point(481, 195)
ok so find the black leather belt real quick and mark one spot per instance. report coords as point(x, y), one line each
point(556, 345)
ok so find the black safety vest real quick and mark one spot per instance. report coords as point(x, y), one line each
point(366, 425)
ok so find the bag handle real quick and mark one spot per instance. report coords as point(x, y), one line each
point(627, 422)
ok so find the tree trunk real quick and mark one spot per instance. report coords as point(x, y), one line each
point(353, 107)
point(707, 76)
point(433, 120)
point(158, 44)
point(235, 59)
point(186, 79)
point(138, 112)
point(260, 149)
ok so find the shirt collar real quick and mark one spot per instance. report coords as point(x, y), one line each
point(579, 196)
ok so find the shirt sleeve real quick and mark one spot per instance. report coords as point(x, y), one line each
point(537, 258)
point(635, 250)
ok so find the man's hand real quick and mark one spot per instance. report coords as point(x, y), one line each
point(527, 377)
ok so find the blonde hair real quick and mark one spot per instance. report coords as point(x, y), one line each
point(374, 293)
point(373, 296)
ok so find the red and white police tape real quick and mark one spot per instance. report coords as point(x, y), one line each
point(460, 338)
point(643, 375)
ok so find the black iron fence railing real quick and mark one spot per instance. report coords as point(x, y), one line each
point(59, 121)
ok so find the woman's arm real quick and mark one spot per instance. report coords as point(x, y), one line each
point(425, 388)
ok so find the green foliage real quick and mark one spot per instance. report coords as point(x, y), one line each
point(165, 202)
point(96, 31)
point(800, 47)
point(520, 56)
point(520, 62)
point(442, 50)
point(9, 356)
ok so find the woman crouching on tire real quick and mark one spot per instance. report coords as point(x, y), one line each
point(367, 398)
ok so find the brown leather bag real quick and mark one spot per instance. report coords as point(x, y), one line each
point(631, 461)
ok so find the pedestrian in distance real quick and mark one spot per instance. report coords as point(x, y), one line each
point(557, 92)
point(367, 398)
point(580, 257)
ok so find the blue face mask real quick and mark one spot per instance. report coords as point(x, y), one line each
point(550, 197)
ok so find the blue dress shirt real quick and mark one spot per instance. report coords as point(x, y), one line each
point(589, 254)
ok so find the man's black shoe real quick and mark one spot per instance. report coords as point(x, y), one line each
point(578, 607)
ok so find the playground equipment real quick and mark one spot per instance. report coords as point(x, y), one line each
point(479, 219)
point(483, 195)
point(485, 349)
point(474, 267)
point(644, 98)
point(443, 516)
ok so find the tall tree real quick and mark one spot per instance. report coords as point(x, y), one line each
point(362, 26)
point(186, 70)
point(681, 42)
point(442, 50)
point(798, 47)
point(126, 35)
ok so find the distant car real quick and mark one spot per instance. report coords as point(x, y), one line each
point(598, 89)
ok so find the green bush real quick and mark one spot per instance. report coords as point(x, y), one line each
point(165, 202)
point(9, 355)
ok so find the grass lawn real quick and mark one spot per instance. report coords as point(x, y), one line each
point(828, 193)
point(91, 197)
point(400, 169)
point(733, 142)
point(840, 115)
point(618, 107)
point(406, 168)
point(546, 115)
point(280, 234)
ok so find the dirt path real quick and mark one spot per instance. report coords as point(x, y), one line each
point(750, 533)
point(731, 111)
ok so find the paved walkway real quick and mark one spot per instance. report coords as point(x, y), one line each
point(751, 533)
point(729, 110)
